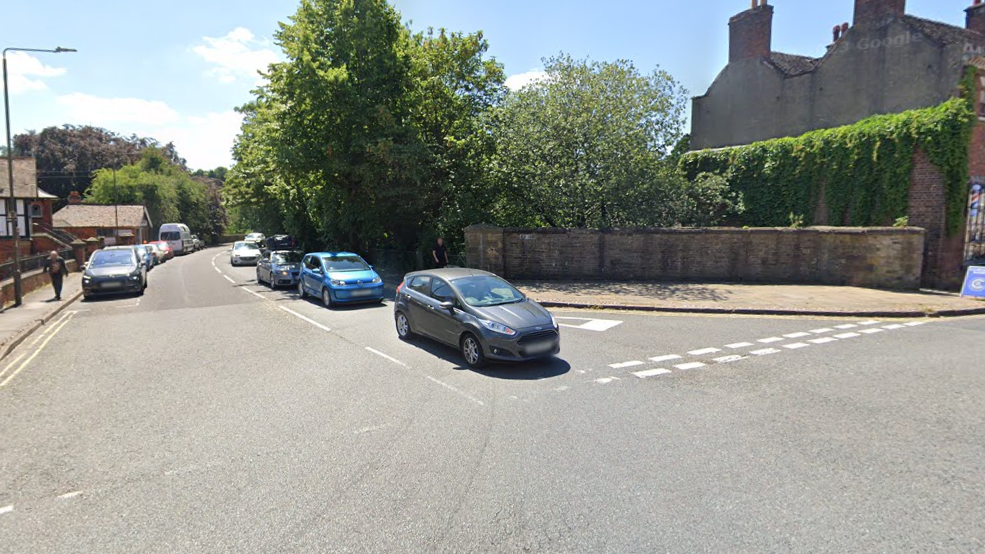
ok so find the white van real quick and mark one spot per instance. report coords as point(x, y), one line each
point(179, 236)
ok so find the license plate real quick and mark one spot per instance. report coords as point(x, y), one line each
point(540, 348)
point(112, 285)
point(361, 292)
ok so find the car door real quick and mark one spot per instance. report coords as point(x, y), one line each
point(263, 267)
point(418, 295)
point(445, 324)
point(305, 271)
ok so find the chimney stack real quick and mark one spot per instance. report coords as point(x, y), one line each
point(877, 12)
point(751, 32)
point(74, 198)
point(976, 17)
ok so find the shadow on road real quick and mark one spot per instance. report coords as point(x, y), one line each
point(529, 371)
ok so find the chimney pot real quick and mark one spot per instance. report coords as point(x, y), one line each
point(751, 32)
point(74, 198)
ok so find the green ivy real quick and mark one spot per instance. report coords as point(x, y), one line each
point(861, 172)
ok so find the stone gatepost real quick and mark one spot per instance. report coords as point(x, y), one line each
point(485, 249)
point(79, 251)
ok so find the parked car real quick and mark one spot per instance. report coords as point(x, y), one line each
point(482, 315)
point(114, 271)
point(145, 253)
point(339, 278)
point(198, 243)
point(257, 238)
point(280, 242)
point(244, 253)
point(279, 268)
point(165, 246)
point(157, 252)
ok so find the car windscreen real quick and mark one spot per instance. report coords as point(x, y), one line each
point(484, 291)
point(170, 235)
point(344, 263)
point(111, 258)
point(285, 258)
point(245, 246)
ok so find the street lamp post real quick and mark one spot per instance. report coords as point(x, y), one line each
point(12, 197)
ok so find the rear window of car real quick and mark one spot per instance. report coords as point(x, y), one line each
point(245, 246)
point(170, 235)
point(285, 258)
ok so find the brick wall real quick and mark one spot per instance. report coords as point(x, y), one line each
point(873, 257)
point(7, 249)
point(30, 282)
point(751, 33)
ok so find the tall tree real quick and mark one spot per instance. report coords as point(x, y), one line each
point(589, 146)
point(68, 156)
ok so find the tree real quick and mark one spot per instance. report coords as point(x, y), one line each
point(589, 146)
point(68, 156)
point(168, 192)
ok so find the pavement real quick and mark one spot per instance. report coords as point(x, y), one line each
point(37, 309)
point(217, 415)
point(804, 300)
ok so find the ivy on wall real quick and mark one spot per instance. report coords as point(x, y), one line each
point(856, 175)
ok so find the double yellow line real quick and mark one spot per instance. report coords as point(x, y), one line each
point(44, 338)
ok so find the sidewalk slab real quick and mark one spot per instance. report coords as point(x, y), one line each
point(38, 308)
point(807, 300)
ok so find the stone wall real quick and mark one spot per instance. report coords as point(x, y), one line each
point(30, 282)
point(873, 257)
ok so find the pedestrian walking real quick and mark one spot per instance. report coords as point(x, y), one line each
point(440, 254)
point(57, 269)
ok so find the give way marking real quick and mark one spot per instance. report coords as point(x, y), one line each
point(587, 324)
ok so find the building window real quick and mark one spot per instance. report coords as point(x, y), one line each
point(105, 232)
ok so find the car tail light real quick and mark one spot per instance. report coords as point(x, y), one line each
point(400, 287)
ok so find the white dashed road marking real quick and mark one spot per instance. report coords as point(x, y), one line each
point(846, 326)
point(705, 351)
point(605, 380)
point(6, 509)
point(770, 340)
point(870, 322)
point(894, 327)
point(729, 359)
point(916, 323)
point(847, 336)
point(258, 295)
point(692, 365)
point(230, 279)
point(797, 335)
point(765, 352)
point(599, 325)
point(217, 270)
point(70, 494)
point(651, 373)
point(624, 365)
point(871, 331)
point(796, 346)
point(384, 356)
point(824, 340)
point(822, 331)
point(301, 317)
point(667, 358)
point(738, 345)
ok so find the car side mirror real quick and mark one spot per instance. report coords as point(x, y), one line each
point(450, 306)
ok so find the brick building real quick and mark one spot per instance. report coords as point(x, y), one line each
point(34, 209)
point(886, 61)
point(114, 224)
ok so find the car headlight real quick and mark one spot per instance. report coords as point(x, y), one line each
point(86, 278)
point(497, 327)
point(377, 280)
point(285, 273)
point(338, 283)
point(554, 321)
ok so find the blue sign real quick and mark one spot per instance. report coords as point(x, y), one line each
point(974, 283)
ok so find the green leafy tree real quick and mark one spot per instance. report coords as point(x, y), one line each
point(590, 145)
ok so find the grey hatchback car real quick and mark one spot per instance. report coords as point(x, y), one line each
point(482, 315)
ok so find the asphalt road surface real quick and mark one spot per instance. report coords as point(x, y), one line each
point(216, 415)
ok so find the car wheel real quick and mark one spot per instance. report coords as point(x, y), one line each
point(326, 297)
point(472, 352)
point(403, 327)
point(301, 291)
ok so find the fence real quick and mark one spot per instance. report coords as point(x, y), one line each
point(32, 263)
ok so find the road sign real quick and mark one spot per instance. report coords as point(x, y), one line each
point(974, 282)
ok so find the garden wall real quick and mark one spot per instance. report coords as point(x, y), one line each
point(886, 258)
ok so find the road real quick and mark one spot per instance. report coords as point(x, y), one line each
point(215, 415)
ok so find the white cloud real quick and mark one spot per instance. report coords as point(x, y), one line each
point(237, 55)
point(206, 142)
point(26, 73)
point(520, 80)
point(106, 112)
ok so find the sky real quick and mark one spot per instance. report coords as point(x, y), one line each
point(176, 71)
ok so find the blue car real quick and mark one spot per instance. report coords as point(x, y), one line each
point(339, 278)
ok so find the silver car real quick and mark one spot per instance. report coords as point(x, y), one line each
point(244, 253)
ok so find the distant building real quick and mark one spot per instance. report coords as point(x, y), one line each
point(116, 225)
point(34, 207)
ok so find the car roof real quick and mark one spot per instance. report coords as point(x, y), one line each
point(131, 247)
point(319, 254)
point(451, 273)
